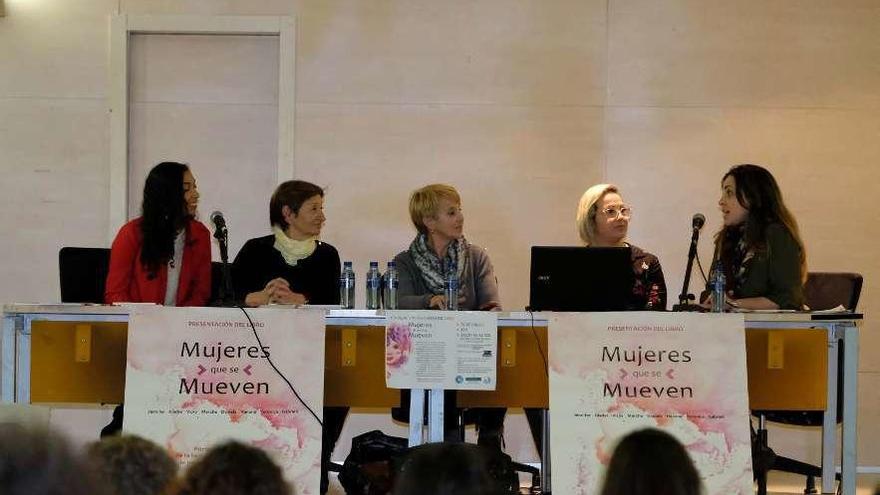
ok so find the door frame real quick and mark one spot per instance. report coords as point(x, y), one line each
point(122, 26)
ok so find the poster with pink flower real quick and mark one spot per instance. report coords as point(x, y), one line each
point(683, 373)
point(199, 376)
point(453, 350)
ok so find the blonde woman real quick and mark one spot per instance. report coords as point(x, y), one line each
point(435, 211)
point(603, 220)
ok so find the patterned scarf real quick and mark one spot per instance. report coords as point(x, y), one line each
point(292, 250)
point(432, 268)
point(742, 254)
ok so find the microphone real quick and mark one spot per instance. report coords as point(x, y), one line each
point(698, 221)
point(219, 224)
point(226, 293)
point(684, 298)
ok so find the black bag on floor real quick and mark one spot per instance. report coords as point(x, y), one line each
point(369, 467)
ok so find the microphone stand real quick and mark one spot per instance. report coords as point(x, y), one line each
point(685, 298)
point(226, 293)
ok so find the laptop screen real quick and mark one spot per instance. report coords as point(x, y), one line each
point(580, 278)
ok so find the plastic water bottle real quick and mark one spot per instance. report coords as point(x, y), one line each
point(346, 286)
point(717, 284)
point(390, 283)
point(451, 286)
point(373, 282)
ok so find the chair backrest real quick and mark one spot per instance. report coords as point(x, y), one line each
point(801, 403)
point(216, 278)
point(826, 290)
point(83, 274)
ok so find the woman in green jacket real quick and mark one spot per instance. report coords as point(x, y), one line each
point(759, 246)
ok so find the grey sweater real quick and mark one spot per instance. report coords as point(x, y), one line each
point(478, 282)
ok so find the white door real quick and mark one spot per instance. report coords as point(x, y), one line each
point(210, 101)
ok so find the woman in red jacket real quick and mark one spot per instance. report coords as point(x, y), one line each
point(163, 256)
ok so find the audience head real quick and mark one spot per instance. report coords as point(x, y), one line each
point(452, 469)
point(170, 199)
point(37, 462)
point(130, 465)
point(602, 216)
point(436, 208)
point(297, 208)
point(651, 462)
point(233, 468)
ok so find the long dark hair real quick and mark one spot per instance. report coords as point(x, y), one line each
point(757, 190)
point(164, 214)
point(651, 462)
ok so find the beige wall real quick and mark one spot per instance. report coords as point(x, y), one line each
point(521, 104)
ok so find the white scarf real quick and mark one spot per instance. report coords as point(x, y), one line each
point(293, 250)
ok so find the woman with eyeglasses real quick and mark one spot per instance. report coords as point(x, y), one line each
point(603, 220)
point(759, 246)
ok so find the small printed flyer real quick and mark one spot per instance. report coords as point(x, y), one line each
point(200, 376)
point(453, 350)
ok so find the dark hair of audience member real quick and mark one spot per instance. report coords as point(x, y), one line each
point(164, 213)
point(131, 465)
point(449, 469)
point(38, 462)
point(233, 468)
point(651, 462)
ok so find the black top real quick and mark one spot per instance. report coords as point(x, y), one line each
point(316, 277)
point(649, 289)
point(773, 272)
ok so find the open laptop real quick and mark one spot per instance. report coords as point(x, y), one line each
point(580, 278)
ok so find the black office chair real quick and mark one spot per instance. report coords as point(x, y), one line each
point(823, 290)
point(216, 277)
point(83, 274)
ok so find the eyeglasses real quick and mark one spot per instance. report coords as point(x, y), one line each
point(613, 211)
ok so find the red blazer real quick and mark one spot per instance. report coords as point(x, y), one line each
point(127, 280)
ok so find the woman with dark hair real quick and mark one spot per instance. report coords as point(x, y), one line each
point(291, 265)
point(651, 462)
point(233, 468)
point(759, 246)
point(163, 256)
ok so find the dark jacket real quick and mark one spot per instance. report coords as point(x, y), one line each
point(316, 277)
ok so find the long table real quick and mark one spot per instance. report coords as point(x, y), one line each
point(75, 354)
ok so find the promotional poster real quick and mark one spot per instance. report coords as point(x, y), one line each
point(199, 376)
point(683, 373)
